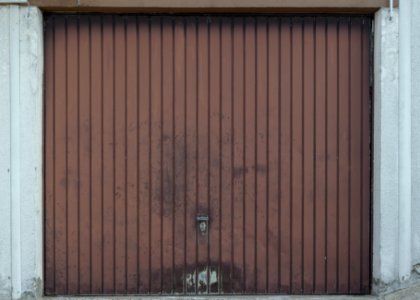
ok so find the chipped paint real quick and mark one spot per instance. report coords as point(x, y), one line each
point(190, 282)
point(213, 281)
point(202, 286)
point(202, 281)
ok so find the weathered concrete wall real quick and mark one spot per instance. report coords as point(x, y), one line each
point(21, 67)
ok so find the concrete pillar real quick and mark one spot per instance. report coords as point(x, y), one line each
point(21, 67)
point(385, 156)
point(395, 227)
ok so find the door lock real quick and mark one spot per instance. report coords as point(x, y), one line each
point(202, 224)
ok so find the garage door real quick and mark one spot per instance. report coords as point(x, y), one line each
point(207, 154)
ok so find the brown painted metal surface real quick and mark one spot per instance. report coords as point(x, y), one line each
point(260, 123)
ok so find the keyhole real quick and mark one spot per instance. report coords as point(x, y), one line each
point(202, 224)
point(203, 227)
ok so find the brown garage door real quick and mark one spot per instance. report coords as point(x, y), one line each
point(207, 154)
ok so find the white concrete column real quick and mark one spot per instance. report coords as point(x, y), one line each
point(385, 156)
point(21, 67)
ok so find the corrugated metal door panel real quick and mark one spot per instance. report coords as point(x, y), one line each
point(260, 123)
point(285, 151)
point(320, 133)
point(332, 178)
